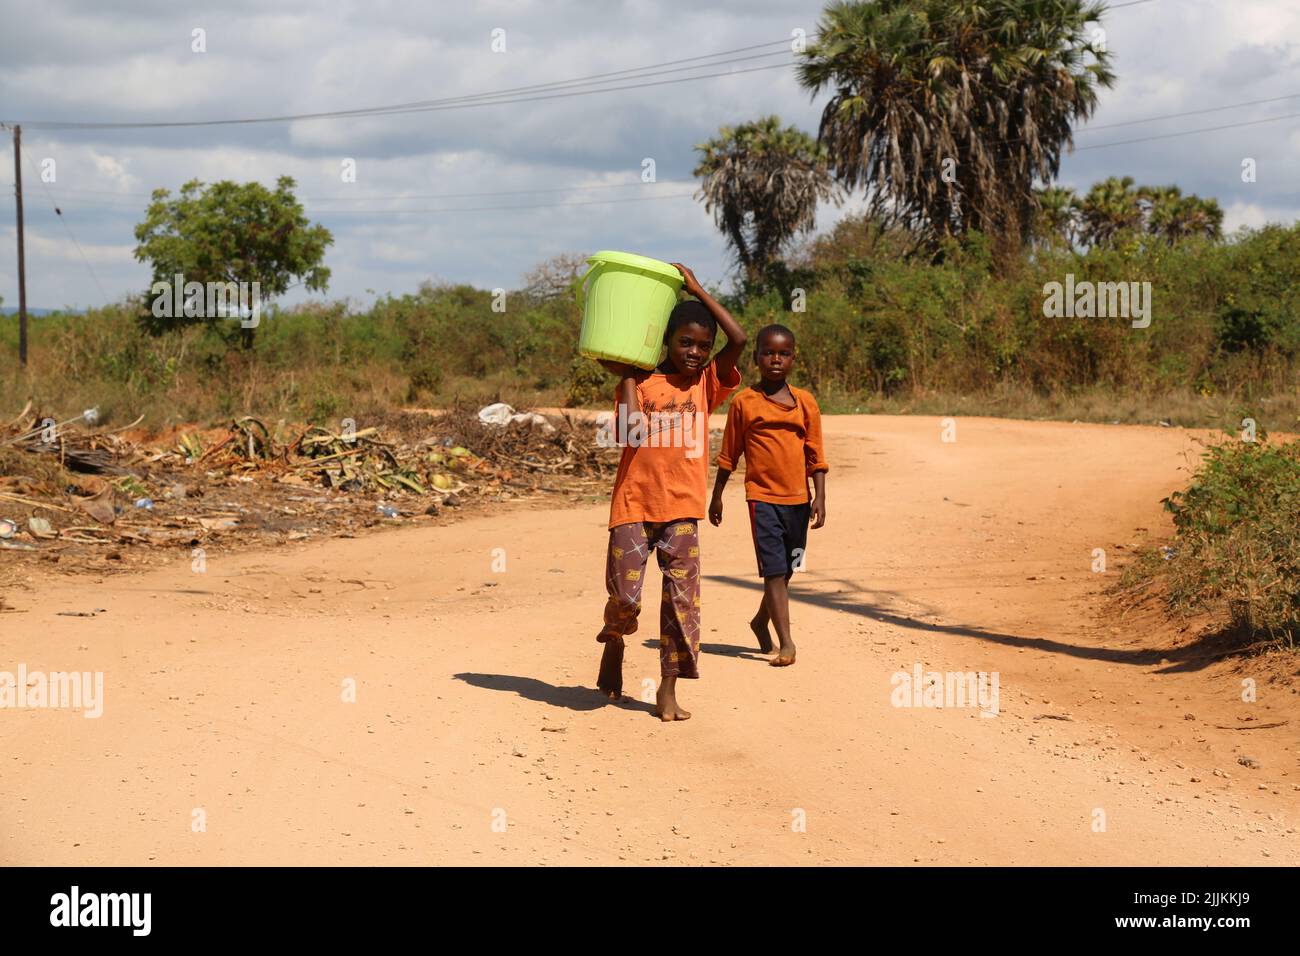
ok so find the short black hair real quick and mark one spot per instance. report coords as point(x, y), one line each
point(691, 312)
point(773, 329)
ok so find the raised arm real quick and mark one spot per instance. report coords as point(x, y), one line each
point(726, 359)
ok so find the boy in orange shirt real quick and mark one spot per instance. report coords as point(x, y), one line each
point(778, 428)
point(663, 424)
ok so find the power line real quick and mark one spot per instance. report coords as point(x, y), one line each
point(1210, 109)
point(539, 87)
point(316, 211)
point(489, 98)
point(1188, 132)
point(467, 102)
point(499, 192)
point(505, 192)
point(600, 186)
point(59, 215)
point(1141, 139)
point(545, 205)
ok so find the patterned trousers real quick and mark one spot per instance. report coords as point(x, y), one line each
point(677, 547)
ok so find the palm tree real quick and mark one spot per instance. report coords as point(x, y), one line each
point(948, 111)
point(1173, 216)
point(762, 183)
point(1057, 219)
point(1111, 207)
point(1114, 207)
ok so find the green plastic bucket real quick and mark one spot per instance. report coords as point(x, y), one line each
point(629, 298)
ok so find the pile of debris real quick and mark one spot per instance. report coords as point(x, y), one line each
point(68, 488)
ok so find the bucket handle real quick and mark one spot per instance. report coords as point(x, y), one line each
point(579, 286)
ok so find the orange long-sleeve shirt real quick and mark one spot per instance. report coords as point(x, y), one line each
point(782, 445)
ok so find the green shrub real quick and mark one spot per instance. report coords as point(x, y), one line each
point(1237, 538)
point(589, 384)
point(425, 380)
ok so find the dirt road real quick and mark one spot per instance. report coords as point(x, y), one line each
point(476, 737)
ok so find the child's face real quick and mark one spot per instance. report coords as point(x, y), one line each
point(689, 347)
point(774, 356)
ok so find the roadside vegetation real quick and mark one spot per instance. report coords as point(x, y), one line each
point(1235, 551)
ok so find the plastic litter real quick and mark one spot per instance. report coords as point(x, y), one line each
point(145, 503)
point(388, 511)
point(499, 413)
point(8, 528)
point(40, 528)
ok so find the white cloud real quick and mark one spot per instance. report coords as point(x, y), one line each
point(1252, 216)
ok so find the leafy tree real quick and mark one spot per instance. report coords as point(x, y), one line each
point(762, 183)
point(230, 232)
point(948, 111)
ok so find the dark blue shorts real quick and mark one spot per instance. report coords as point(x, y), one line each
point(780, 536)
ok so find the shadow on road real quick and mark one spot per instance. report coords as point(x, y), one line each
point(570, 698)
point(722, 650)
point(1198, 654)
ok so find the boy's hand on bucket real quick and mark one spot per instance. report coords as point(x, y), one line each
point(690, 284)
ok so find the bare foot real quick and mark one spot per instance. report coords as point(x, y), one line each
point(763, 634)
point(666, 706)
point(610, 679)
point(674, 713)
point(785, 657)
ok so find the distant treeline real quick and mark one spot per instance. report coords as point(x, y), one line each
point(877, 329)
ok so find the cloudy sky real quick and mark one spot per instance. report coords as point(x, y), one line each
point(483, 193)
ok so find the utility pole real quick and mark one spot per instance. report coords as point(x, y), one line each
point(22, 265)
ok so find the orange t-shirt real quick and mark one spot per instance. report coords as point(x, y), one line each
point(782, 445)
point(665, 477)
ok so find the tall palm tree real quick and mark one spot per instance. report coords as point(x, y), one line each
point(762, 182)
point(948, 111)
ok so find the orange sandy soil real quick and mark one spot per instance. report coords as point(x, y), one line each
point(477, 737)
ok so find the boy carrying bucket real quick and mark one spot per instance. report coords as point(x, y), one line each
point(778, 428)
point(662, 419)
